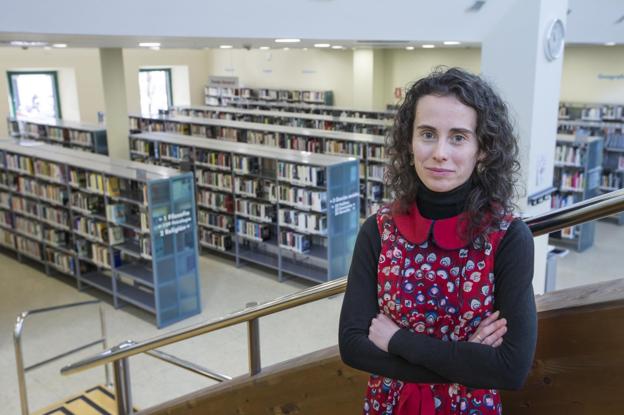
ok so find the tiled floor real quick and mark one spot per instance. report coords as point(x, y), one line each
point(225, 288)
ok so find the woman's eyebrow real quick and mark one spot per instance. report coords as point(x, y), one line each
point(462, 130)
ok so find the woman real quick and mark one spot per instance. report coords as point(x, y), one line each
point(439, 306)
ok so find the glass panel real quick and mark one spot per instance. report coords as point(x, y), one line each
point(154, 88)
point(34, 95)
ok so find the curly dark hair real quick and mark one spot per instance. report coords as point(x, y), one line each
point(494, 177)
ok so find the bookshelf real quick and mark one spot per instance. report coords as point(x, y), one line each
point(292, 211)
point(368, 148)
point(578, 168)
point(75, 135)
point(603, 120)
point(293, 119)
point(311, 109)
point(124, 228)
point(215, 95)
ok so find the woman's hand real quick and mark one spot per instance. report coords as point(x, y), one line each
point(490, 331)
point(381, 330)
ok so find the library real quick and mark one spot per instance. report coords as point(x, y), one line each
point(185, 194)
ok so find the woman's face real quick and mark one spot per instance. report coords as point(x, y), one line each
point(444, 142)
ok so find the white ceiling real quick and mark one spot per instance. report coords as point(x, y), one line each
point(254, 23)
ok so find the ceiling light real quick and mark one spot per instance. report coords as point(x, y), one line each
point(287, 40)
point(24, 43)
point(59, 45)
point(610, 44)
point(264, 48)
point(322, 45)
point(409, 48)
point(155, 48)
point(428, 46)
point(149, 44)
point(336, 47)
point(225, 47)
point(286, 48)
point(451, 42)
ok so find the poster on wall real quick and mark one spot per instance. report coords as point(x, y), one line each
point(223, 81)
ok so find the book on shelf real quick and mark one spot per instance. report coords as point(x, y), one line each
point(115, 235)
point(116, 213)
point(295, 241)
point(304, 198)
point(257, 231)
point(263, 212)
point(300, 173)
point(303, 221)
point(220, 241)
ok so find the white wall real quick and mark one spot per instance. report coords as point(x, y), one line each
point(593, 74)
point(406, 66)
point(291, 69)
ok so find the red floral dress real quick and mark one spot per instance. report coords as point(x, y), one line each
point(434, 283)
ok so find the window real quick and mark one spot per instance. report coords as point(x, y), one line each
point(155, 89)
point(34, 94)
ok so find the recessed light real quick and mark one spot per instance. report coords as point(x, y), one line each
point(149, 44)
point(451, 42)
point(155, 48)
point(264, 48)
point(322, 45)
point(59, 45)
point(610, 44)
point(428, 46)
point(225, 47)
point(409, 48)
point(336, 47)
point(25, 43)
point(287, 40)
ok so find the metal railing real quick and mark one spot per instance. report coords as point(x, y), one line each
point(19, 355)
point(591, 209)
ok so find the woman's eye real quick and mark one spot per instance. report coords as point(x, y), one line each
point(458, 139)
point(427, 135)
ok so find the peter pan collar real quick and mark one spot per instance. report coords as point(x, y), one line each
point(416, 228)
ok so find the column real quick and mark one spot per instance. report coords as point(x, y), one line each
point(116, 107)
point(514, 60)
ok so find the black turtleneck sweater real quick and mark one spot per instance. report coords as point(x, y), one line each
point(418, 358)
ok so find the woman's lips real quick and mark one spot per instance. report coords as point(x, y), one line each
point(438, 171)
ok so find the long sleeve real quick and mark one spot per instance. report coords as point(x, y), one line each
point(358, 309)
point(481, 366)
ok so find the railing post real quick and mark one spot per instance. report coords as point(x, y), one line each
point(19, 361)
point(104, 344)
point(122, 387)
point(253, 343)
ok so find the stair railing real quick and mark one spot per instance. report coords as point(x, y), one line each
point(584, 211)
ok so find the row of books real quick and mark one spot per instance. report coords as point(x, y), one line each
point(177, 128)
point(7, 238)
point(303, 221)
point(377, 152)
point(612, 180)
point(568, 180)
point(28, 246)
point(87, 202)
point(302, 198)
point(376, 171)
point(54, 215)
point(57, 238)
point(252, 230)
point(615, 140)
point(81, 137)
point(214, 158)
point(29, 227)
point(61, 261)
point(217, 180)
point(215, 220)
point(569, 155)
point(220, 241)
point(262, 212)
point(301, 174)
point(5, 219)
point(311, 144)
point(49, 170)
point(262, 189)
point(22, 163)
point(28, 206)
point(217, 201)
point(174, 151)
point(260, 137)
point(49, 192)
point(344, 147)
point(5, 200)
point(35, 130)
point(294, 241)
